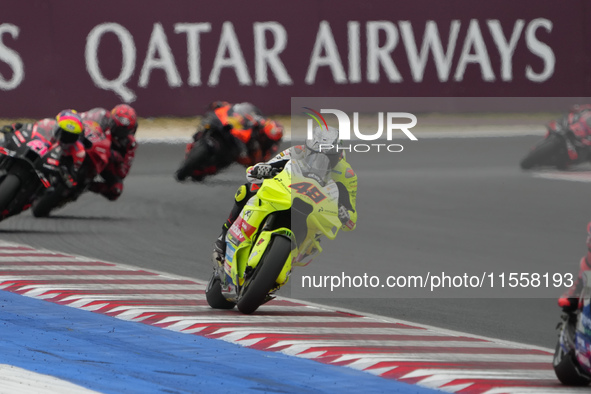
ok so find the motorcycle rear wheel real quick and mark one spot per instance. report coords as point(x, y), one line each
point(213, 294)
point(43, 206)
point(542, 153)
point(264, 277)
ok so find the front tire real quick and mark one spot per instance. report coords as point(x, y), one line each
point(264, 277)
point(567, 369)
point(543, 154)
point(8, 190)
point(196, 159)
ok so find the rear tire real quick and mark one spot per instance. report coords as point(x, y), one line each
point(43, 206)
point(214, 296)
point(566, 368)
point(543, 153)
point(8, 190)
point(265, 275)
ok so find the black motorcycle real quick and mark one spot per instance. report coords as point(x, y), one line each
point(560, 148)
point(27, 162)
point(212, 150)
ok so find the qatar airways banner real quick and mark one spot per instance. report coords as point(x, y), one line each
point(174, 57)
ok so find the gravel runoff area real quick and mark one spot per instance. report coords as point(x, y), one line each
point(181, 129)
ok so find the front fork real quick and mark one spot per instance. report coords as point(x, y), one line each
point(567, 331)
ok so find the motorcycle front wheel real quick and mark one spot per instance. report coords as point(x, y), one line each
point(544, 153)
point(566, 368)
point(196, 159)
point(8, 190)
point(264, 277)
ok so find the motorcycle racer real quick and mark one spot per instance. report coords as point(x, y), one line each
point(120, 124)
point(578, 120)
point(323, 143)
point(247, 137)
point(67, 133)
point(569, 301)
point(66, 130)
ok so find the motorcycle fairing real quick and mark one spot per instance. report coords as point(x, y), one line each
point(261, 246)
point(583, 330)
point(39, 153)
point(270, 198)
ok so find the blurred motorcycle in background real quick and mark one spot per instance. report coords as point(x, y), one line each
point(229, 133)
point(213, 150)
point(567, 142)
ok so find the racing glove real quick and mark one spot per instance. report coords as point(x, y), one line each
point(343, 214)
point(262, 171)
point(7, 129)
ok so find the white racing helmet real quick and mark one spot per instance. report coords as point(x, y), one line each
point(324, 141)
point(320, 152)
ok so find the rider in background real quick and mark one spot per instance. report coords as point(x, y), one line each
point(120, 125)
point(342, 174)
point(578, 120)
point(249, 137)
point(66, 130)
point(68, 134)
point(569, 301)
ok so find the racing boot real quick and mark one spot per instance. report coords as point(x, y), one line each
point(219, 253)
point(243, 194)
point(569, 301)
point(219, 246)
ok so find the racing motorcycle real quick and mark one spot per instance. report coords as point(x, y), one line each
point(28, 161)
point(213, 150)
point(67, 189)
point(278, 228)
point(572, 358)
point(564, 145)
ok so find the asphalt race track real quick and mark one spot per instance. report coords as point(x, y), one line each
point(449, 203)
